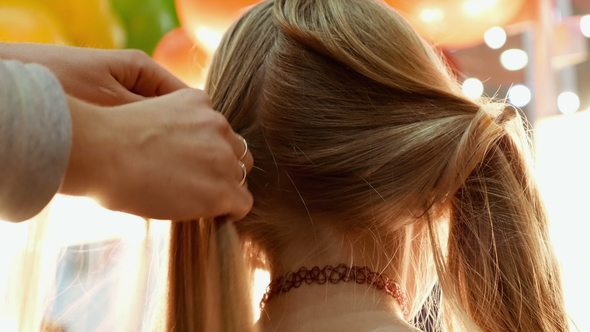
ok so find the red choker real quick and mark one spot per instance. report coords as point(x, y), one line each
point(334, 275)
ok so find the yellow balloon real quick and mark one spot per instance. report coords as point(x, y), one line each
point(29, 23)
point(90, 23)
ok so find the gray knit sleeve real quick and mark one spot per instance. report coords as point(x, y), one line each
point(35, 139)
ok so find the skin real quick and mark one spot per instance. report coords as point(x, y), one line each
point(330, 307)
point(341, 307)
point(103, 77)
point(143, 143)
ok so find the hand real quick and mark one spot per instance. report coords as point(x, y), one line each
point(102, 77)
point(170, 157)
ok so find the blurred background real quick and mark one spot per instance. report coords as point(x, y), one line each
point(534, 53)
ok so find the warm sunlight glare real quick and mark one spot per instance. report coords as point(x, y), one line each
point(7, 325)
point(563, 172)
point(209, 38)
point(81, 220)
point(432, 15)
point(13, 238)
point(261, 281)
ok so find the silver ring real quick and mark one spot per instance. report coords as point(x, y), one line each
point(245, 147)
point(243, 180)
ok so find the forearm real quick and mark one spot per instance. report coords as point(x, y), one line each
point(17, 51)
point(35, 139)
point(92, 154)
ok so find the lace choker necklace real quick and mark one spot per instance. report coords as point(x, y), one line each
point(334, 275)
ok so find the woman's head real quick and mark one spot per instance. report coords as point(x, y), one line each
point(347, 116)
point(357, 127)
point(353, 119)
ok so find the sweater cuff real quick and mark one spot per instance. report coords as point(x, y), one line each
point(35, 139)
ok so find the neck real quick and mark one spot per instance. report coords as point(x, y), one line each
point(339, 307)
point(344, 306)
point(341, 273)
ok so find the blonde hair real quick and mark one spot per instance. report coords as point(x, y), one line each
point(350, 114)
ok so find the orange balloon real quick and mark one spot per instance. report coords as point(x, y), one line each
point(215, 15)
point(177, 52)
point(29, 23)
point(456, 23)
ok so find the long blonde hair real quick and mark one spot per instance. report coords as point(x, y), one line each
point(350, 114)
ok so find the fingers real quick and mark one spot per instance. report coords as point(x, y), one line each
point(244, 173)
point(158, 81)
point(240, 204)
point(207, 154)
point(200, 102)
point(141, 75)
point(237, 200)
point(243, 200)
point(123, 96)
point(240, 146)
point(243, 155)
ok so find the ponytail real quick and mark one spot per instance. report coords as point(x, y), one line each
point(234, 289)
point(501, 271)
point(208, 286)
point(187, 277)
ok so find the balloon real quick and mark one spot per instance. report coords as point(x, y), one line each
point(29, 23)
point(214, 15)
point(171, 8)
point(146, 22)
point(456, 23)
point(182, 57)
point(90, 23)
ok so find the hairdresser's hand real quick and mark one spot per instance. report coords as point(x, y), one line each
point(170, 157)
point(103, 77)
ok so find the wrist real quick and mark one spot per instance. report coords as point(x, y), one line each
point(89, 167)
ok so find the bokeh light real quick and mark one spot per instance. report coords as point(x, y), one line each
point(568, 102)
point(514, 59)
point(473, 7)
point(519, 95)
point(585, 25)
point(456, 24)
point(432, 15)
point(495, 37)
point(473, 88)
